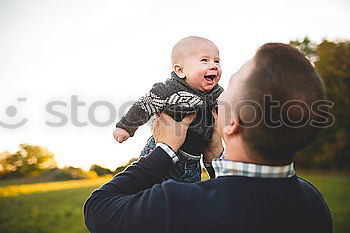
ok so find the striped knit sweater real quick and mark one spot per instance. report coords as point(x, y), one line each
point(178, 99)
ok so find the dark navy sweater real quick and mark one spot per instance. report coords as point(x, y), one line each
point(137, 201)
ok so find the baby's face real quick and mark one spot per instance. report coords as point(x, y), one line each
point(201, 66)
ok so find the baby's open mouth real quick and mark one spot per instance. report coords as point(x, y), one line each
point(210, 77)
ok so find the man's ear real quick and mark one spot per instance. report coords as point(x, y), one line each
point(233, 127)
point(179, 70)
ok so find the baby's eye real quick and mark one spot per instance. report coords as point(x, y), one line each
point(204, 60)
point(217, 61)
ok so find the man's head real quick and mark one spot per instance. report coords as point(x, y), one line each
point(197, 61)
point(270, 104)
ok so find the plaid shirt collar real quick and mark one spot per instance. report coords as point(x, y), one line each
point(225, 167)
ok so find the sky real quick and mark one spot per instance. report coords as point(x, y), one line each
point(70, 69)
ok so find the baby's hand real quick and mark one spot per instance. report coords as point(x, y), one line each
point(121, 135)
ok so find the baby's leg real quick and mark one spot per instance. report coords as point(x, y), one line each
point(149, 147)
point(187, 169)
point(193, 172)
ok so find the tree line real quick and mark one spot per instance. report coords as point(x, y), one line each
point(332, 62)
point(34, 160)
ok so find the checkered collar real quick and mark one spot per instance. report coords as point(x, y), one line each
point(225, 167)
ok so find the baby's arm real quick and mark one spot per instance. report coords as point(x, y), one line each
point(152, 103)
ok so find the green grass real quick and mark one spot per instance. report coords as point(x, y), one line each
point(49, 212)
point(61, 211)
point(26, 180)
point(335, 189)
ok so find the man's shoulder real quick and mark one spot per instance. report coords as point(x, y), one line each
point(312, 194)
point(227, 184)
point(211, 190)
point(202, 188)
point(308, 186)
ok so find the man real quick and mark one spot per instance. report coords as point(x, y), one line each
point(270, 110)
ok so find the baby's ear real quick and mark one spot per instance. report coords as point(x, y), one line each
point(178, 70)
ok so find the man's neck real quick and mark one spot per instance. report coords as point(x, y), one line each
point(239, 154)
point(236, 151)
point(236, 154)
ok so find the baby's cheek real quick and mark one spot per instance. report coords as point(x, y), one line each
point(199, 76)
point(218, 78)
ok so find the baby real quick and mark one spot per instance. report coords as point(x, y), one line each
point(192, 88)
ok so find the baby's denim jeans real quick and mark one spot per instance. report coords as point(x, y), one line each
point(186, 170)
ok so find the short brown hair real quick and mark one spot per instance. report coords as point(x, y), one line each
point(282, 86)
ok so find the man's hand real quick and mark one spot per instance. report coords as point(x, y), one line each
point(121, 135)
point(215, 148)
point(171, 132)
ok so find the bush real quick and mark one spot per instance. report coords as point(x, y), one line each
point(68, 173)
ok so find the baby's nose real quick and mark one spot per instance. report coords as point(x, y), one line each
point(213, 66)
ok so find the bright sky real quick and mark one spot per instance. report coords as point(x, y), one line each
point(113, 51)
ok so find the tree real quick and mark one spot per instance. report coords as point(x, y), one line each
point(307, 47)
point(100, 171)
point(332, 61)
point(28, 160)
point(121, 168)
point(333, 66)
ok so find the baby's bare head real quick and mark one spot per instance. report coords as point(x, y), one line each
point(196, 60)
point(181, 48)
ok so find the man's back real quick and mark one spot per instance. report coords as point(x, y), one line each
point(226, 204)
point(243, 204)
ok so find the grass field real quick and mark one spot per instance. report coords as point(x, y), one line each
point(15, 190)
point(61, 211)
point(47, 212)
point(336, 191)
